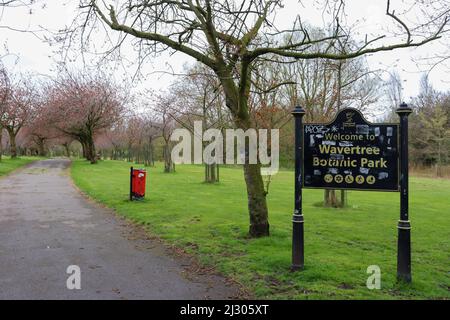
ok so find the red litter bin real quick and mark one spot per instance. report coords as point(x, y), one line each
point(137, 183)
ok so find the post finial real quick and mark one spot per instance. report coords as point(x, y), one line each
point(298, 111)
point(403, 109)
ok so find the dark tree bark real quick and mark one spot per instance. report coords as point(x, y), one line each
point(257, 205)
point(90, 150)
point(331, 200)
point(1, 143)
point(211, 173)
point(66, 147)
point(12, 143)
point(83, 149)
point(41, 147)
point(169, 166)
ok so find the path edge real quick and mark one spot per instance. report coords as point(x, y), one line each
point(195, 267)
point(21, 168)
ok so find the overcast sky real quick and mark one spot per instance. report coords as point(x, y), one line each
point(37, 56)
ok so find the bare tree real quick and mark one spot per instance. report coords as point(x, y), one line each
point(394, 92)
point(151, 133)
point(200, 98)
point(431, 126)
point(167, 123)
point(229, 37)
point(116, 137)
point(324, 86)
point(436, 135)
point(15, 3)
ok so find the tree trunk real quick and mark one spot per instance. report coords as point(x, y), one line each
point(12, 143)
point(327, 199)
point(66, 147)
point(208, 173)
point(256, 194)
point(41, 148)
point(257, 205)
point(84, 149)
point(439, 162)
point(90, 151)
point(210, 169)
point(151, 155)
point(438, 170)
point(169, 166)
point(1, 143)
point(236, 99)
point(330, 199)
point(211, 173)
point(343, 198)
point(326, 195)
point(129, 155)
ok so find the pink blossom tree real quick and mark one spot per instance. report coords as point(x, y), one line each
point(40, 130)
point(5, 90)
point(83, 107)
point(17, 110)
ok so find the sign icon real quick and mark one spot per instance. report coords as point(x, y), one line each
point(338, 178)
point(370, 179)
point(349, 178)
point(349, 119)
point(359, 179)
point(328, 178)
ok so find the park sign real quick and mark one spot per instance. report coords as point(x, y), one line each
point(350, 153)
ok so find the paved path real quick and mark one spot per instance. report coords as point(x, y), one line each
point(46, 225)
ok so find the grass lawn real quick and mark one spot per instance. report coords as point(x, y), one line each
point(211, 221)
point(7, 164)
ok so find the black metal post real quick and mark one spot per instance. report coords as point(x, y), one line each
point(404, 225)
point(298, 259)
point(131, 183)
